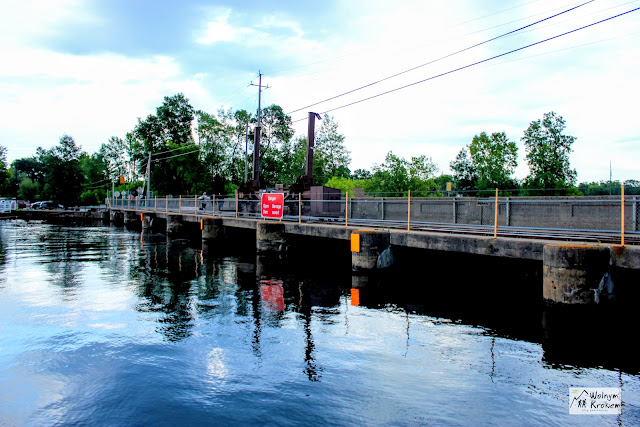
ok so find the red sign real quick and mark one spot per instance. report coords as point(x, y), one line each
point(272, 294)
point(272, 205)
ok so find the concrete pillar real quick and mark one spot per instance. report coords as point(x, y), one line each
point(212, 228)
point(148, 221)
point(270, 237)
point(116, 217)
point(130, 219)
point(571, 273)
point(371, 249)
point(174, 225)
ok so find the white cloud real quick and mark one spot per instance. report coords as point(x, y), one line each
point(218, 29)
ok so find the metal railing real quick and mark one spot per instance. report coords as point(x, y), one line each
point(522, 216)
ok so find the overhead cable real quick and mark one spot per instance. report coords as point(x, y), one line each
point(439, 59)
point(177, 155)
point(347, 55)
point(476, 63)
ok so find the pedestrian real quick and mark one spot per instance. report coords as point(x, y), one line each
point(203, 202)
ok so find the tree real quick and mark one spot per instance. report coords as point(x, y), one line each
point(63, 175)
point(494, 158)
point(361, 174)
point(114, 153)
point(398, 175)
point(169, 129)
point(4, 171)
point(28, 176)
point(276, 130)
point(465, 174)
point(96, 179)
point(548, 154)
point(330, 154)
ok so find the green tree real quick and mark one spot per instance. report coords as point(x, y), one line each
point(167, 136)
point(115, 155)
point(465, 173)
point(346, 185)
point(276, 130)
point(494, 158)
point(361, 174)
point(548, 154)
point(4, 171)
point(330, 154)
point(398, 175)
point(96, 179)
point(63, 175)
point(28, 176)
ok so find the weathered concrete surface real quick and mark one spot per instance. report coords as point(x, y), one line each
point(174, 225)
point(479, 245)
point(531, 249)
point(270, 237)
point(626, 257)
point(571, 273)
point(131, 218)
point(148, 221)
point(212, 228)
point(373, 243)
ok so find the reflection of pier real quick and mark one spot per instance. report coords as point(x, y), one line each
point(374, 245)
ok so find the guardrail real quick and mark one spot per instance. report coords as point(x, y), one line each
point(605, 214)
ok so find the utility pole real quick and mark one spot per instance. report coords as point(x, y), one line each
point(148, 179)
point(256, 137)
point(610, 176)
point(311, 137)
point(246, 153)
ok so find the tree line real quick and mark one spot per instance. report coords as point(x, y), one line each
point(189, 151)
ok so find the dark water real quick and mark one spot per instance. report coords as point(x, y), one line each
point(103, 326)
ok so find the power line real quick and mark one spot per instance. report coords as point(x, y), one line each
point(476, 63)
point(177, 155)
point(441, 58)
point(562, 50)
point(452, 26)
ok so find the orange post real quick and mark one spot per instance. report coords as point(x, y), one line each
point(622, 215)
point(180, 204)
point(299, 208)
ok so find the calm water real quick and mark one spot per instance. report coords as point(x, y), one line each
point(103, 326)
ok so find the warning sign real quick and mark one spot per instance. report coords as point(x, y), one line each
point(272, 205)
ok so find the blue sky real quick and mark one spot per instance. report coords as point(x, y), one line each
point(91, 68)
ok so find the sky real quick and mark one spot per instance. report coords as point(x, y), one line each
point(90, 69)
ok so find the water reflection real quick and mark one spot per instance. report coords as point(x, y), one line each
point(221, 334)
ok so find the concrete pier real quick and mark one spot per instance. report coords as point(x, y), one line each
point(270, 237)
point(148, 221)
point(116, 217)
point(371, 249)
point(174, 225)
point(572, 273)
point(130, 219)
point(212, 228)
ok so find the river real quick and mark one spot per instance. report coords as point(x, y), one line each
point(100, 325)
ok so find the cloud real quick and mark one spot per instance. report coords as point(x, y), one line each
point(218, 29)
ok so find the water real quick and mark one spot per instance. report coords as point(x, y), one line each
point(103, 326)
